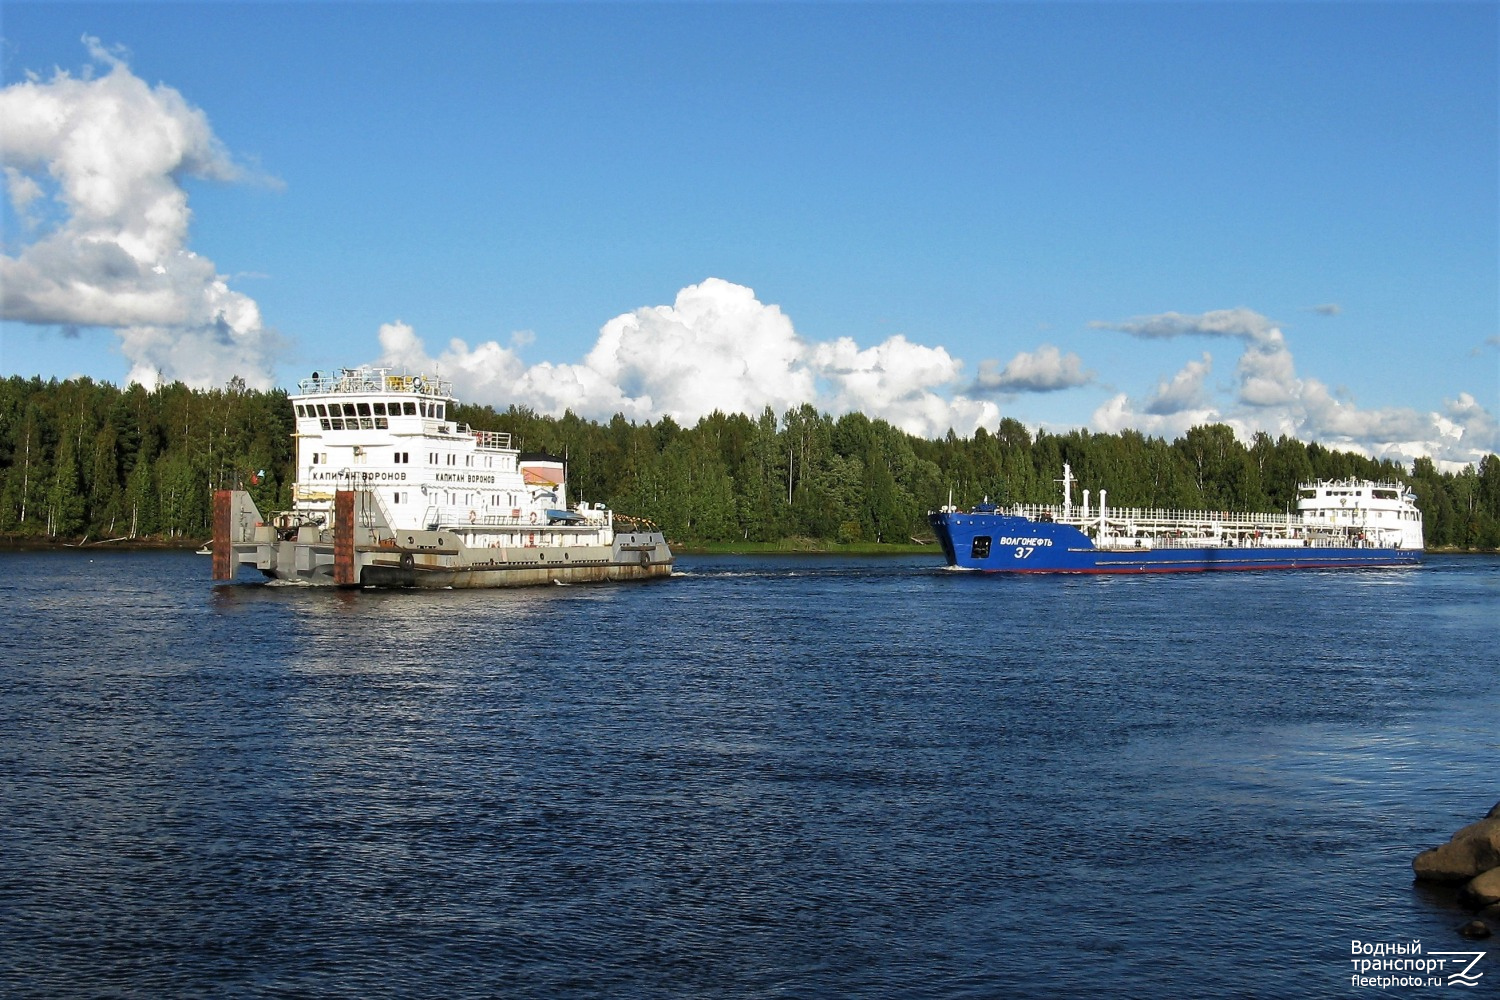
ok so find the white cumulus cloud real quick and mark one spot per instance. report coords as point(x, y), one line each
point(93, 166)
point(1046, 369)
point(1246, 324)
point(1272, 397)
point(1267, 375)
point(1184, 392)
point(716, 347)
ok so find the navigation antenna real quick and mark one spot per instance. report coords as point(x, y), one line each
point(1067, 485)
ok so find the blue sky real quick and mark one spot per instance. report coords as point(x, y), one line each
point(1281, 216)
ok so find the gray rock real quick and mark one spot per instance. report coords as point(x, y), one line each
point(1482, 890)
point(1472, 851)
point(1474, 930)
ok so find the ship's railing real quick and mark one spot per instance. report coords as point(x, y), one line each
point(488, 440)
point(1153, 517)
point(478, 517)
point(1322, 540)
point(1384, 484)
point(374, 380)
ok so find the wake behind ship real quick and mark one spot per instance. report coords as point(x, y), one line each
point(1349, 523)
point(391, 493)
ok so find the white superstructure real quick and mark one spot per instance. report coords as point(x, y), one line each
point(367, 429)
point(1384, 514)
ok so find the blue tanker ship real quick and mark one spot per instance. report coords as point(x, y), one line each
point(1347, 523)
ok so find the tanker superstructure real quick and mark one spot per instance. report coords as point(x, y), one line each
point(1338, 523)
point(390, 492)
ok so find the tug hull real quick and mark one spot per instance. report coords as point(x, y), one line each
point(376, 556)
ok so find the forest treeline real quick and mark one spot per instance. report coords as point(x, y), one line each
point(85, 459)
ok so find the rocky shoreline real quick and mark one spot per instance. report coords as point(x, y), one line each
point(1471, 860)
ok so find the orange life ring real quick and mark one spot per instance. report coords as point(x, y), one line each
point(471, 517)
point(533, 517)
point(531, 540)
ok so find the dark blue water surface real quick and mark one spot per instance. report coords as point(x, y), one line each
point(764, 777)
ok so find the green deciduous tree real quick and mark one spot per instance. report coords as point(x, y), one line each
point(65, 500)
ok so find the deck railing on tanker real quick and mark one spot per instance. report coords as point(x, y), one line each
point(1322, 540)
point(1151, 515)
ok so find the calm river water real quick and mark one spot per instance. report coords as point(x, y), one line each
point(764, 777)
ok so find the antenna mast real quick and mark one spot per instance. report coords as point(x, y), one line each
point(1067, 485)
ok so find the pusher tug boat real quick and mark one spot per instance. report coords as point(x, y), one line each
point(1347, 523)
point(390, 493)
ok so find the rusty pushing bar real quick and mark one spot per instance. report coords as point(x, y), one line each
point(223, 553)
point(343, 538)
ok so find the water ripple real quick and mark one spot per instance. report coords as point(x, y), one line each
point(761, 778)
